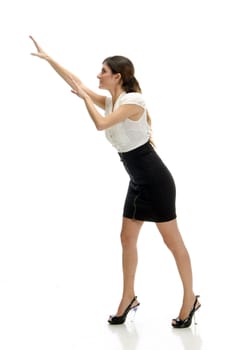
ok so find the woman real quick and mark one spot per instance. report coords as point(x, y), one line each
point(151, 191)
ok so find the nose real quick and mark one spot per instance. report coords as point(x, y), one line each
point(98, 75)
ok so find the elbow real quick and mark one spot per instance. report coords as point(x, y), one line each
point(100, 126)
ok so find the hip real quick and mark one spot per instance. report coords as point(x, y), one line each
point(144, 165)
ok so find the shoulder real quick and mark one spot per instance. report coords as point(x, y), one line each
point(133, 98)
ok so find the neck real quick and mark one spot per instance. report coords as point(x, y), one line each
point(116, 93)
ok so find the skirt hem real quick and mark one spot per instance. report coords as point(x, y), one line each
point(149, 219)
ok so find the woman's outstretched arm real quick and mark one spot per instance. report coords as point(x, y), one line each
point(71, 79)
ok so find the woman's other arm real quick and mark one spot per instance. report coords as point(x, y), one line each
point(131, 111)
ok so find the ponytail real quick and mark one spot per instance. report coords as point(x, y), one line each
point(131, 85)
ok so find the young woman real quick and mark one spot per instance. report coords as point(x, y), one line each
point(151, 192)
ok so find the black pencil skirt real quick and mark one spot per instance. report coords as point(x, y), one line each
point(151, 193)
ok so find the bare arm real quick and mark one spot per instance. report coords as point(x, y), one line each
point(69, 77)
point(130, 111)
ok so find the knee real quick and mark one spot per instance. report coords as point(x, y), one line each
point(124, 239)
point(171, 245)
point(127, 240)
point(176, 247)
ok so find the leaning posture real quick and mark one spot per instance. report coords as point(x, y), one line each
point(151, 192)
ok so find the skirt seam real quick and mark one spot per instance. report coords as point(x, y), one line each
point(134, 205)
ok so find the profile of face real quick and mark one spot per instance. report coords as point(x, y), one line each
point(107, 79)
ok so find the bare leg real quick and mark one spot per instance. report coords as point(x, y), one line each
point(172, 238)
point(129, 237)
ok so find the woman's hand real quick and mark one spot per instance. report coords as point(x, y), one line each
point(77, 89)
point(40, 52)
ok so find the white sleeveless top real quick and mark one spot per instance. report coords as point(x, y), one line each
point(129, 134)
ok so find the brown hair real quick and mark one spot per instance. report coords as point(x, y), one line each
point(122, 65)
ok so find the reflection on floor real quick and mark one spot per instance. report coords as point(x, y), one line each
point(53, 318)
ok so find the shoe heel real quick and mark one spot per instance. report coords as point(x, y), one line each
point(132, 314)
point(195, 319)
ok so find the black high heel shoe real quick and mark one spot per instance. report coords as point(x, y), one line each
point(177, 323)
point(121, 319)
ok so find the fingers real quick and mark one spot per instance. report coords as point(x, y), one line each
point(35, 43)
point(35, 54)
point(72, 80)
point(75, 93)
point(73, 84)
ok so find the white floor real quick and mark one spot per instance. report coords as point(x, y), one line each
point(43, 317)
point(62, 302)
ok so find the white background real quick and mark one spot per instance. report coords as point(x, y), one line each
point(62, 185)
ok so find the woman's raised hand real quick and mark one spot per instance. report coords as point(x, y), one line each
point(40, 52)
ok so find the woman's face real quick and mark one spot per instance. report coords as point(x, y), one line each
point(107, 80)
